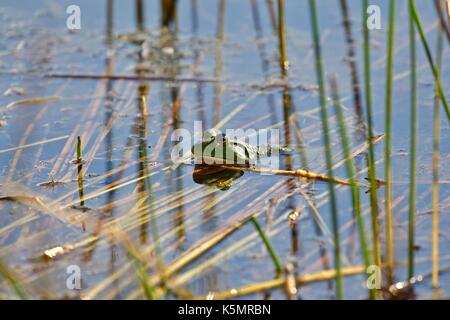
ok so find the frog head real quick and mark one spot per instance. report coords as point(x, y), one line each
point(213, 135)
point(216, 148)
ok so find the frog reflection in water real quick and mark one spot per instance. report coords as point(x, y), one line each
point(217, 149)
point(220, 177)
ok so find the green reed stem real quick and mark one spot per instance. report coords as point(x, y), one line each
point(434, 68)
point(269, 247)
point(15, 283)
point(356, 198)
point(79, 154)
point(371, 158)
point(328, 154)
point(145, 283)
point(435, 184)
point(139, 267)
point(387, 151)
point(412, 173)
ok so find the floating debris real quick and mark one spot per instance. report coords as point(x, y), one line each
point(293, 216)
point(14, 91)
point(21, 45)
point(31, 101)
point(275, 84)
point(399, 288)
point(52, 253)
point(51, 184)
point(57, 251)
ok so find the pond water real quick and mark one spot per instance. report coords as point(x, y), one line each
point(127, 208)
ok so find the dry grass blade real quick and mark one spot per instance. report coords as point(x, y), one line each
point(445, 27)
point(33, 144)
point(32, 101)
point(448, 11)
point(360, 150)
point(205, 245)
point(276, 283)
point(128, 78)
point(435, 168)
point(21, 195)
point(295, 173)
point(236, 248)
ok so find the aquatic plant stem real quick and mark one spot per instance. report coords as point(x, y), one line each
point(273, 17)
point(269, 247)
point(278, 282)
point(138, 261)
point(109, 21)
point(140, 20)
point(351, 54)
point(371, 157)
point(413, 135)
point(435, 200)
point(79, 152)
point(435, 160)
point(328, 154)
point(143, 279)
point(11, 278)
point(434, 69)
point(296, 173)
point(80, 184)
point(387, 151)
point(168, 13)
point(356, 199)
point(441, 13)
point(79, 162)
point(284, 63)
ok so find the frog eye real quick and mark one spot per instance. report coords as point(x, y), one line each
point(210, 135)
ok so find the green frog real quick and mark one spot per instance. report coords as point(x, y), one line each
point(217, 148)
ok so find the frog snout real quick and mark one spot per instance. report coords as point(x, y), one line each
point(220, 138)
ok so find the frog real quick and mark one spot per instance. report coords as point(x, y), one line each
point(231, 151)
